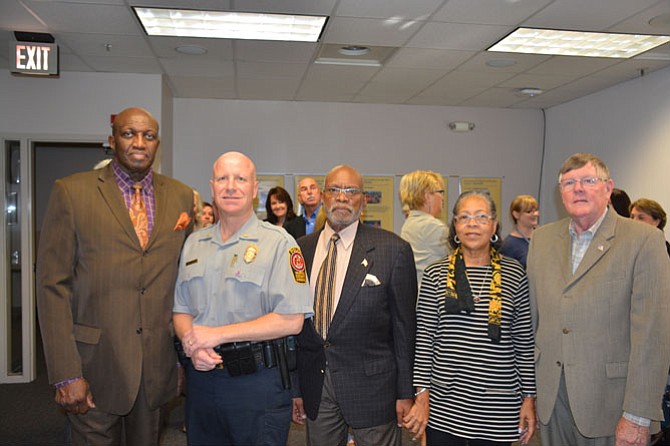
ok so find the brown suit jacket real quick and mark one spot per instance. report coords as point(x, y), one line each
point(104, 304)
point(607, 326)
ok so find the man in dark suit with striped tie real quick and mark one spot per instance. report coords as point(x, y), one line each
point(355, 358)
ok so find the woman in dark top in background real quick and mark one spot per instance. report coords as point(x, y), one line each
point(525, 213)
point(279, 208)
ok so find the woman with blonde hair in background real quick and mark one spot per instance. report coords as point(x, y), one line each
point(422, 192)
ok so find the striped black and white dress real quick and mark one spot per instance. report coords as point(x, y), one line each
point(476, 386)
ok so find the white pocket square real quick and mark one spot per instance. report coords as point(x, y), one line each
point(371, 280)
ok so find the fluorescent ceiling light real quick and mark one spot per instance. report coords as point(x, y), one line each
point(230, 25)
point(577, 43)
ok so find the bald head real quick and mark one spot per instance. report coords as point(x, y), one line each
point(123, 117)
point(234, 185)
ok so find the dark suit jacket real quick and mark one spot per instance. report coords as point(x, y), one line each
point(607, 326)
point(105, 305)
point(295, 227)
point(370, 343)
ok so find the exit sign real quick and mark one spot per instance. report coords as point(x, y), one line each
point(34, 58)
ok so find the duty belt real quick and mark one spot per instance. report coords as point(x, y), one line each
point(242, 358)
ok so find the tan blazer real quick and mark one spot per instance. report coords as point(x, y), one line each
point(607, 326)
point(104, 305)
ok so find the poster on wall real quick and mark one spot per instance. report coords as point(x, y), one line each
point(445, 202)
point(380, 199)
point(265, 183)
point(493, 185)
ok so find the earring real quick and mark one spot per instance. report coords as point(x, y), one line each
point(494, 238)
point(456, 240)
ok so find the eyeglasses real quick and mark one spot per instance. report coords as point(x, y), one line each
point(587, 183)
point(480, 219)
point(347, 191)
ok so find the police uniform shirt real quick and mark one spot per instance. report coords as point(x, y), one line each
point(258, 270)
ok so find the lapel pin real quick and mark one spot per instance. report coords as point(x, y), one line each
point(601, 248)
point(364, 262)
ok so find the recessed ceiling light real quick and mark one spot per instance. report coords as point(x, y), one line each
point(191, 49)
point(500, 63)
point(230, 25)
point(529, 91)
point(354, 50)
point(577, 43)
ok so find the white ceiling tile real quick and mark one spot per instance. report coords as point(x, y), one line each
point(213, 5)
point(428, 58)
point(86, 17)
point(392, 32)
point(307, 7)
point(407, 77)
point(216, 48)
point(545, 82)
point(198, 68)
point(262, 70)
point(340, 73)
point(71, 62)
point(487, 12)
point(572, 65)
point(267, 51)
point(639, 23)
point(586, 15)
point(94, 44)
point(437, 55)
point(493, 97)
point(14, 16)
point(523, 62)
point(113, 64)
point(401, 9)
point(457, 36)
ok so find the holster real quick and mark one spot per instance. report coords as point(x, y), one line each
point(238, 357)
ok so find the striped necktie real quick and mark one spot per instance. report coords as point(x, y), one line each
point(325, 289)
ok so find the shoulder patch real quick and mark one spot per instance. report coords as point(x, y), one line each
point(297, 265)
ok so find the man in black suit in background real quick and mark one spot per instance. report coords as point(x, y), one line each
point(355, 370)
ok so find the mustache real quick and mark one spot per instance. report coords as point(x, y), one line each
point(340, 207)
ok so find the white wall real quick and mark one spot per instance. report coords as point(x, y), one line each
point(75, 105)
point(628, 126)
point(310, 138)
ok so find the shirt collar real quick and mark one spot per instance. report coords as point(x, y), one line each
point(347, 235)
point(126, 182)
point(592, 230)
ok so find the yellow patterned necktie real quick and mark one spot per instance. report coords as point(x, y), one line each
point(138, 215)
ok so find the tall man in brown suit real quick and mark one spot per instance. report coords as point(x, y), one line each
point(105, 294)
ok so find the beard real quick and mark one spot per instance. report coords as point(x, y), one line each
point(342, 215)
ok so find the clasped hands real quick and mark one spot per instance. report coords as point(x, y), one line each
point(416, 419)
point(198, 344)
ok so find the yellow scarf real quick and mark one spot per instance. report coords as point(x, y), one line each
point(459, 293)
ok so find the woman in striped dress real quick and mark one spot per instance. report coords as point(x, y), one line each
point(474, 367)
